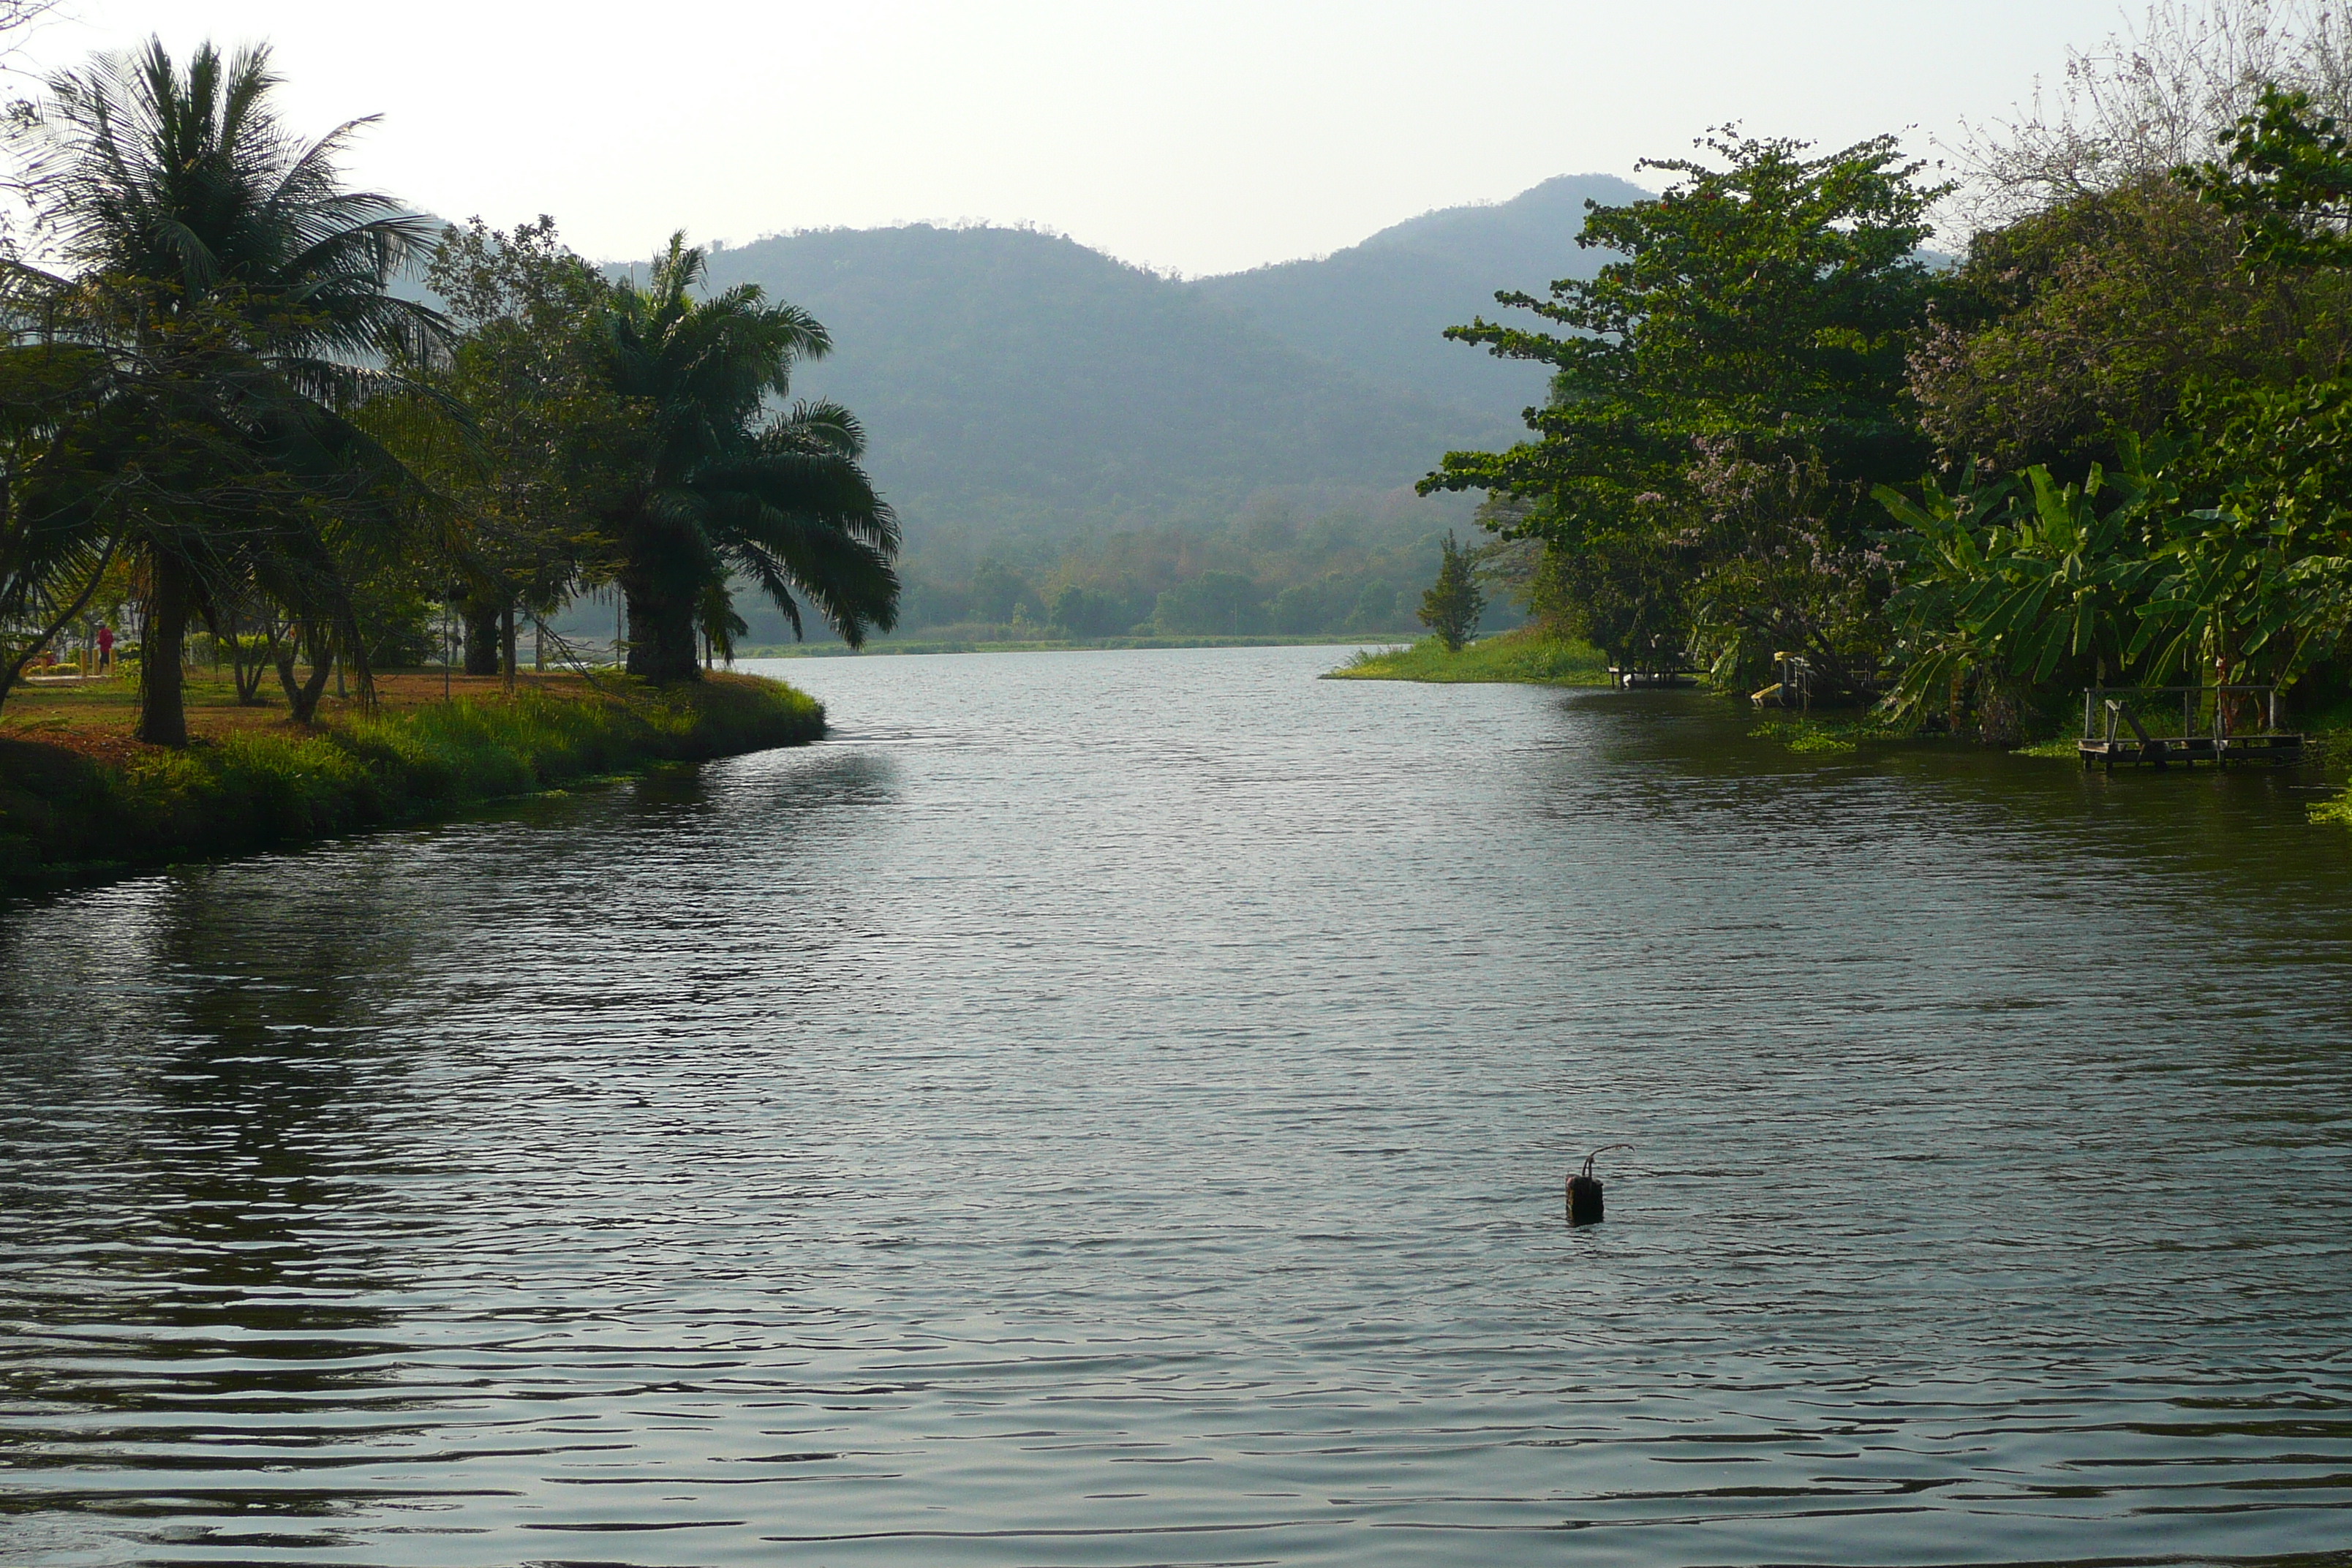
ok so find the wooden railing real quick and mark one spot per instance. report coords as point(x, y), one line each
point(2121, 705)
point(2212, 725)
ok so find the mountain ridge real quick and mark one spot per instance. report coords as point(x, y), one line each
point(1381, 306)
point(1018, 385)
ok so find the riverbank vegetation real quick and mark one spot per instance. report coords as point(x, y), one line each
point(78, 797)
point(2110, 444)
point(1534, 655)
point(1451, 605)
point(226, 419)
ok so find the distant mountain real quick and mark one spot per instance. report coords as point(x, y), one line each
point(1381, 307)
point(1018, 385)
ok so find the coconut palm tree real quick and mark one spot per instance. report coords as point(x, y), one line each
point(241, 293)
point(722, 486)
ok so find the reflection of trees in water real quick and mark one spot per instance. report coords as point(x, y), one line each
point(693, 887)
point(1688, 766)
point(222, 1080)
point(801, 786)
point(201, 1237)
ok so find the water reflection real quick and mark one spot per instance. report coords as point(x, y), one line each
point(1112, 1109)
point(200, 1242)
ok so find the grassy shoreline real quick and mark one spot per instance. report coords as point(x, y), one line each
point(82, 804)
point(1527, 656)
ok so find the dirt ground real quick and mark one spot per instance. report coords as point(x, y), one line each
point(96, 716)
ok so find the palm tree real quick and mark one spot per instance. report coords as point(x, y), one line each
point(236, 290)
point(719, 486)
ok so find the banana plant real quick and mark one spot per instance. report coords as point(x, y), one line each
point(2008, 578)
point(1942, 573)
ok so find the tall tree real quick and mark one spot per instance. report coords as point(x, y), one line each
point(1770, 298)
point(525, 366)
point(718, 485)
point(241, 292)
point(1763, 305)
point(2072, 331)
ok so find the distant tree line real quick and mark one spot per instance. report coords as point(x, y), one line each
point(217, 409)
point(1284, 567)
point(2112, 443)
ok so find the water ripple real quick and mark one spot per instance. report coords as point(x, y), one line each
point(1110, 1109)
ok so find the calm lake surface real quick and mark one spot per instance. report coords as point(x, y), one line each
point(1111, 1109)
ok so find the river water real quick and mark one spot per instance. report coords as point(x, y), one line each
point(1111, 1109)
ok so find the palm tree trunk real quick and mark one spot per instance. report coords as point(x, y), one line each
point(661, 628)
point(482, 638)
point(2233, 708)
point(162, 715)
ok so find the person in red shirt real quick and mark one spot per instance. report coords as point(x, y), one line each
point(105, 648)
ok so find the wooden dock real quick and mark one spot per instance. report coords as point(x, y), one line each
point(2212, 727)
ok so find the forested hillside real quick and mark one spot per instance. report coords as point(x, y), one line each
point(1063, 419)
point(1381, 307)
point(1015, 384)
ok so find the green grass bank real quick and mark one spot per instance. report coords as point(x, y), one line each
point(73, 812)
point(1528, 656)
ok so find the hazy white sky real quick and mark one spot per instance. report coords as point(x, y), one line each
point(1204, 136)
